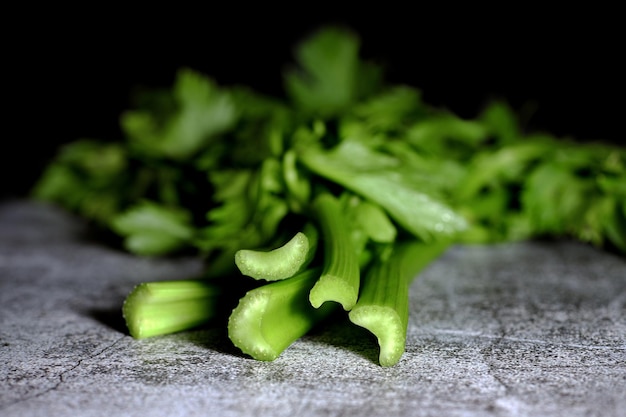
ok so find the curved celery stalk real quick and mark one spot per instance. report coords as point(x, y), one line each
point(270, 318)
point(283, 262)
point(383, 306)
point(158, 308)
point(340, 277)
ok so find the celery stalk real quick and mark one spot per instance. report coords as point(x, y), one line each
point(283, 262)
point(340, 277)
point(158, 308)
point(383, 306)
point(270, 318)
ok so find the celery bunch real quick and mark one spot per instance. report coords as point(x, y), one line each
point(336, 195)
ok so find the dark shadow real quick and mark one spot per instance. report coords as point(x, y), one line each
point(112, 318)
point(340, 332)
point(213, 337)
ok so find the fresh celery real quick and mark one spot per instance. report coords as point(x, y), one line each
point(270, 318)
point(222, 171)
point(383, 306)
point(162, 307)
point(388, 183)
point(280, 263)
point(340, 278)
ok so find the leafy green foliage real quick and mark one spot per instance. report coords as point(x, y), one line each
point(200, 112)
point(151, 229)
point(88, 177)
point(380, 179)
point(331, 75)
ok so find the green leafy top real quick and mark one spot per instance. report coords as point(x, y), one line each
point(331, 76)
point(200, 112)
point(219, 169)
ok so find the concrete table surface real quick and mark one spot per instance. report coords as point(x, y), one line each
point(524, 329)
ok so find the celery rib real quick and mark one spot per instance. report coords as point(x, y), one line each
point(383, 306)
point(281, 263)
point(340, 277)
point(268, 319)
point(163, 307)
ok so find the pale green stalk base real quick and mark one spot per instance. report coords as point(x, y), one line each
point(158, 308)
point(270, 318)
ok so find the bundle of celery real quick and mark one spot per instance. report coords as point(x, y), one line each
point(335, 197)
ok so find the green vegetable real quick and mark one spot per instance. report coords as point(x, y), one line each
point(331, 76)
point(383, 306)
point(270, 318)
point(381, 179)
point(158, 308)
point(151, 229)
point(354, 184)
point(340, 277)
point(280, 263)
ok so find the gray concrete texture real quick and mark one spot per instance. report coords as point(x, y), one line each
point(523, 329)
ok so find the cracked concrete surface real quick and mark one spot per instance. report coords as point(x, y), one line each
point(525, 329)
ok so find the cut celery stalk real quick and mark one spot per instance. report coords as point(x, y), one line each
point(383, 306)
point(268, 319)
point(340, 277)
point(158, 308)
point(283, 262)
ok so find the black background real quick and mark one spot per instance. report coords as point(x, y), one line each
point(72, 72)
